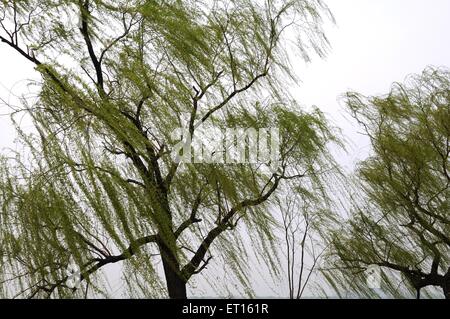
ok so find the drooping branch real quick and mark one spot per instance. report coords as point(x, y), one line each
point(85, 18)
point(95, 264)
point(47, 71)
point(127, 254)
point(192, 218)
point(190, 268)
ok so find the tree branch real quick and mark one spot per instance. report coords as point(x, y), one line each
point(85, 16)
point(190, 268)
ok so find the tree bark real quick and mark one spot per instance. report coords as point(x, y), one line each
point(176, 285)
point(446, 287)
point(446, 284)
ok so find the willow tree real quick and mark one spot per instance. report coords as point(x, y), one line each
point(98, 183)
point(401, 223)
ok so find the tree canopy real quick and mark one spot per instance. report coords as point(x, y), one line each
point(97, 183)
point(401, 221)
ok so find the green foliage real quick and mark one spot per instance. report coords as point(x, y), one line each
point(402, 221)
point(98, 182)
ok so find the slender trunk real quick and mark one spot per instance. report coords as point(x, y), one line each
point(176, 285)
point(446, 289)
point(167, 244)
point(446, 284)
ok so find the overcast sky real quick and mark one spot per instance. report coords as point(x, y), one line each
point(374, 43)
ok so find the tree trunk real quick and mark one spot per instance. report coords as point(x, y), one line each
point(446, 288)
point(176, 285)
point(446, 284)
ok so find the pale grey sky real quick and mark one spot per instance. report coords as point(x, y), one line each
point(375, 43)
